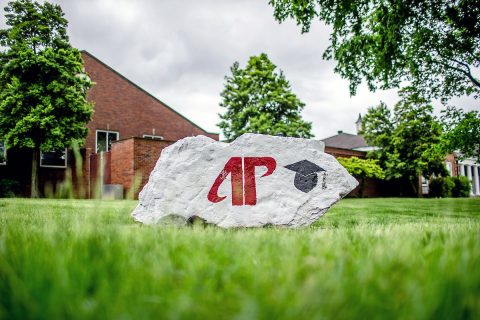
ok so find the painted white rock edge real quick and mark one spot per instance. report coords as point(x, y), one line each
point(179, 185)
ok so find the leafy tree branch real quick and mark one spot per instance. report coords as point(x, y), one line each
point(389, 42)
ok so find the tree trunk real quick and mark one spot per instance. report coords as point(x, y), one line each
point(34, 185)
point(414, 185)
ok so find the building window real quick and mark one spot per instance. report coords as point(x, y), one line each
point(104, 140)
point(425, 188)
point(53, 159)
point(153, 137)
point(3, 153)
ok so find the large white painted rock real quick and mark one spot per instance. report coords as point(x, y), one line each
point(254, 181)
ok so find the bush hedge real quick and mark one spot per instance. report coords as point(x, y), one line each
point(444, 187)
point(9, 188)
point(461, 188)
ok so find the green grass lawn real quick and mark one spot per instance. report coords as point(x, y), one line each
point(367, 258)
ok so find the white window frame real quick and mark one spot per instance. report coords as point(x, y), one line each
point(425, 185)
point(153, 137)
point(107, 132)
point(449, 167)
point(4, 163)
point(48, 166)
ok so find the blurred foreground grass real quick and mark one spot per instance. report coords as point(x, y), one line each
point(367, 258)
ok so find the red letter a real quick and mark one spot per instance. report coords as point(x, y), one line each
point(233, 167)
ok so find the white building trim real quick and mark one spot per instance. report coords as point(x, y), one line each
point(470, 168)
point(476, 182)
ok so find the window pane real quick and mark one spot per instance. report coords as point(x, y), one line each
point(53, 159)
point(149, 136)
point(101, 141)
point(112, 136)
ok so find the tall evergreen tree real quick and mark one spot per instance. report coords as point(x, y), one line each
point(259, 99)
point(42, 83)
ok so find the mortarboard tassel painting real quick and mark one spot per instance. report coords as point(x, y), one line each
point(306, 177)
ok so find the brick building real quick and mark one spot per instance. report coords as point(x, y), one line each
point(128, 130)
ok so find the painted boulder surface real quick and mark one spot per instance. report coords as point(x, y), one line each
point(253, 181)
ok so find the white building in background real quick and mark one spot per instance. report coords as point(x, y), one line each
point(470, 169)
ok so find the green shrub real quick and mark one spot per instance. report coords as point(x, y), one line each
point(441, 187)
point(9, 188)
point(461, 188)
point(362, 169)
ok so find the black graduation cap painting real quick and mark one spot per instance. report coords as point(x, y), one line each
point(306, 177)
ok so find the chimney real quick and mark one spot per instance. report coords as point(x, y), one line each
point(358, 123)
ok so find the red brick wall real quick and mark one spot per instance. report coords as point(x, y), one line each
point(122, 106)
point(122, 164)
point(132, 162)
point(147, 153)
point(372, 188)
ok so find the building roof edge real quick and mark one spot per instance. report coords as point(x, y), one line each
point(145, 91)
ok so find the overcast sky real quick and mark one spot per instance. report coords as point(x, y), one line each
point(181, 50)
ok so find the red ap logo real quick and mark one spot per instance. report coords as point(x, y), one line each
point(244, 190)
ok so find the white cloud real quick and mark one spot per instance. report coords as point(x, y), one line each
point(180, 51)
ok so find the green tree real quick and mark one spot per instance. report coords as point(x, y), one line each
point(362, 169)
point(408, 140)
point(462, 132)
point(42, 85)
point(432, 44)
point(259, 99)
